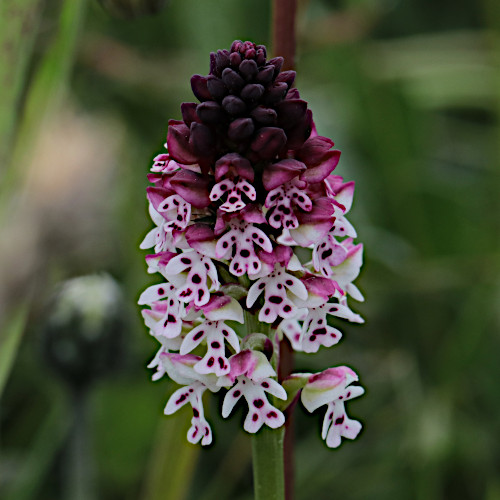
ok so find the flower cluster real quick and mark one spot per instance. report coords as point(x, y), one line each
point(246, 182)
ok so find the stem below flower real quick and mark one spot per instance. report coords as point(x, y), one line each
point(267, 452)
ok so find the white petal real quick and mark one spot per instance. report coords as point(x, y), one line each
point(254, 292)
point(150, 239)
point(354, 292)
point(275, 388)
point(190, 342)
point(154, 293)
point(230, 400)
point(297, 287)
point(177, 400)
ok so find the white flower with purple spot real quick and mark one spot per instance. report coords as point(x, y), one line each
point(160, 237)
point(233, 192)
point(164, 319)
point(332, 387)
point(200, 428)
point(238, 244)
point(215, 334)
point(195, 276)
point(253, 375)
point(277, 301)
point(281, 202)
point(164, 164)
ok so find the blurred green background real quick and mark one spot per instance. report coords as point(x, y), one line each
point(410, 92)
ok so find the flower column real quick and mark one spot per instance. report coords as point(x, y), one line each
point(246, 181)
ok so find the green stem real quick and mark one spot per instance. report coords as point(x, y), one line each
point(268, 466)
point(252, 323)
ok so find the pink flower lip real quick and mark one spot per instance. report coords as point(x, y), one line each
point(281, 254)
point(332, 377)
point(323, 287)
point(217, 300)
point(242, 363)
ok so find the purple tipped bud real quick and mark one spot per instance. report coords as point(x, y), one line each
point(276, 174)
point(235, 59)
point(235, 46)
point(216, 87)
point(322, 211)
point(262, 48)
point(212, 63)
point(291, 112)
point(221, 60)
point(314, 149)
point(252, 92)
point(210, 112)
point(264, 116)
point(232, 165)
point(201, 139)
point(199, 86)
point(248, 69)
point(178, 143)
point(265, 75)
point(323, 169)
point(233, 105)
point(293, 94)
point(240, 129)
point(275, 93)
point(250, 54)
point(300, 133)
point(260, 57)
point(232, 80)
point(247, 47)
point(286, 76)
point(268, 142)
point(192, 187)
point(188, 110)
point(277, 62)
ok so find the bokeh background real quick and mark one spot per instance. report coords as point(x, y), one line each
point(410, 92)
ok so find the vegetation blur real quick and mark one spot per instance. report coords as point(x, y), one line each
point(410, 92)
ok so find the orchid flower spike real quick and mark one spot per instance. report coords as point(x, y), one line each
point(250, 228)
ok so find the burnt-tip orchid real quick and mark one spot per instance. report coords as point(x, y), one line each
point(254, 249)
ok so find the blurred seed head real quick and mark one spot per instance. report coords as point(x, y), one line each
point(83, 332)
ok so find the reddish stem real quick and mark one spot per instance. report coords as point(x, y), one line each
point(283, 31)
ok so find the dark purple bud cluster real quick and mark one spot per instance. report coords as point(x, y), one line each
point(246, 106)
